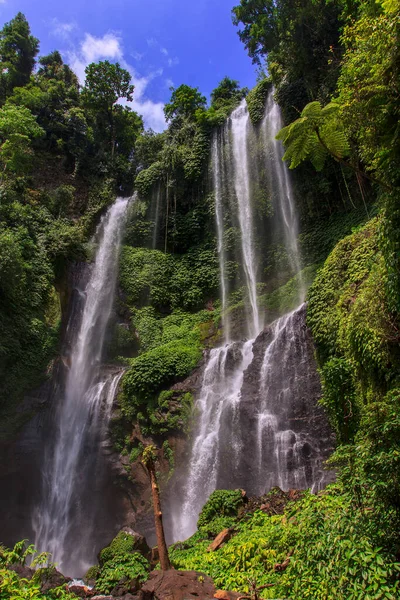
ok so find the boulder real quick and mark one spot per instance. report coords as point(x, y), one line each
point(22, 571)
point(221, 539)
point(50, 578)
point(177, 585)
point(125, 587)
point(140, 544)
point(82, 591)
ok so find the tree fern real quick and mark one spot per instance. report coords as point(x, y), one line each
point(317, 133)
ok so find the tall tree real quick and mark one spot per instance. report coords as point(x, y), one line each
point(228, 91)
point(149, 460)
point(106, 84)
point(18, 49)
point(185, 100)
point(17, 128)
point(299, 42)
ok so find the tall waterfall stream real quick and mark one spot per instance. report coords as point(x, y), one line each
point(62, 522)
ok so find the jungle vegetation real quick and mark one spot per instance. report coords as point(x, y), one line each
point(67, 150)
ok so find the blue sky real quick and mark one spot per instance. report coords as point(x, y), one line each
point(161, 42)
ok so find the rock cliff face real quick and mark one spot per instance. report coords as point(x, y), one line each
point(285, 433)
point(258, 422)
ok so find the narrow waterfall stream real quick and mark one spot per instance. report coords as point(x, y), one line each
point(65, 519)
point(279, 182)
point(240, 123)
point(258, 422)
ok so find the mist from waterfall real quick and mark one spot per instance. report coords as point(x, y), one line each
point(237, 442)
point(63, 522)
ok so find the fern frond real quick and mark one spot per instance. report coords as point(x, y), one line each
point(312, 111)
point(318, 157)
point(335, 140)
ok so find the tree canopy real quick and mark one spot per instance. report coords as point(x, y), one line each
point(18, 49)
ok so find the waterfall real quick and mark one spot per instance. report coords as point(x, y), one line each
point(259, 423)
point(240, 124)
point(63, 522)
point(218, 406)
point(216, 159)
point(280, 184)
point(285, 453)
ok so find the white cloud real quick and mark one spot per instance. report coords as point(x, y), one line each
point(137, 56)
point(61, 30)
point(164, 51)
point(152, 112)
point(109, 47)
point(94, 49)
point(172, 62)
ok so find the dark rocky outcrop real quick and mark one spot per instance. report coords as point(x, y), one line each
point(22, 571)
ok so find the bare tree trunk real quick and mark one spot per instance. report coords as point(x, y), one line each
point(149, 462)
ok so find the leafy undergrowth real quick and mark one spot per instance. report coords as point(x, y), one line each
point(20, 587)
point(119, 562)
point(323, 539)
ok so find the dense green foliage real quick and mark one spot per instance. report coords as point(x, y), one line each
point(220, 511)
point(63, 154)
point(12, 586)
point(119, 562)
point(327, 547)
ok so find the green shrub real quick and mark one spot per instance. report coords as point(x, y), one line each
point(158, 368)
point(221, 503)
point(256, 100)
point(125, 567)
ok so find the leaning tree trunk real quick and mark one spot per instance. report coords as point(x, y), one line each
point(149, 461)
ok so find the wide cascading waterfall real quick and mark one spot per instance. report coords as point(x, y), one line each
point(64, 522)
point(259, 423)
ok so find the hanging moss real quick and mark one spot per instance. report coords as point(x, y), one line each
point(256, 100)
point(147, 178)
